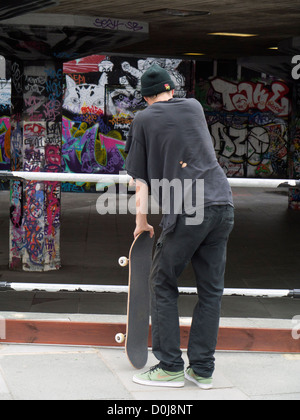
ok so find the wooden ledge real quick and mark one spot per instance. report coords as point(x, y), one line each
point(103, 334)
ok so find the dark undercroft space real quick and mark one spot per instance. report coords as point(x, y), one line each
point(263, 252)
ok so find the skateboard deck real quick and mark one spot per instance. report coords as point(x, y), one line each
point(138, 305)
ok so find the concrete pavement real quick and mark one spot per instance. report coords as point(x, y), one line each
point(30, 372)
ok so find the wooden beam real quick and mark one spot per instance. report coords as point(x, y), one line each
point(103, 334)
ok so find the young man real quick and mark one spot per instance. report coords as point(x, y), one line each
point(170, 142)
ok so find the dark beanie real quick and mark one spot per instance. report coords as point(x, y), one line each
point(156, 80)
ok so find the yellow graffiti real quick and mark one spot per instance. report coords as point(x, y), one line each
point(79, 132)
point(100, 153)
point(7, 142)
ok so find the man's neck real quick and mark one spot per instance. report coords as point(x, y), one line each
point(161, 97)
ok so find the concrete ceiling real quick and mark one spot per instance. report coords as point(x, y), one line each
point(68, 29)
point(273, 21)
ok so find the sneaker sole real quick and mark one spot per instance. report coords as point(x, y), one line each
point(202, 386)
point(167, 384)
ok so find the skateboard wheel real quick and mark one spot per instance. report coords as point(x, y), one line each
point(123, 261)
point(120, 338)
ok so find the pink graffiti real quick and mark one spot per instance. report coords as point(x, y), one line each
point(33, 104)
point(52, 191)
point(52, 155)
point(52, 110)
point(110, 143)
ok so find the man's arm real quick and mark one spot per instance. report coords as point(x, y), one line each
point(142, 225)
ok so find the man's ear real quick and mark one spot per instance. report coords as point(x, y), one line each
point(148, 100)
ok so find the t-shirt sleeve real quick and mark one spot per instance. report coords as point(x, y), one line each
point(136, 161)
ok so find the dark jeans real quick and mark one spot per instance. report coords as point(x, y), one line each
point(205, 246)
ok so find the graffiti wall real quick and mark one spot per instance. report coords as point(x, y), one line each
point(294, 194)
point(249, 124)
point(102, 96)
point(249, 121)
point(5, 94)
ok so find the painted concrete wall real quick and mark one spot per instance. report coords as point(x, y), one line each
point(252, 123)
point(249, 124)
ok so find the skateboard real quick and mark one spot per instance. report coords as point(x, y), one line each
point(138, 304)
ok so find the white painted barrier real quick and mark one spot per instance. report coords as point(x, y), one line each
point(30, 287)
point(123, 178)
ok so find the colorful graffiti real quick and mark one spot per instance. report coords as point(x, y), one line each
point(101, 98)
point(249, 126)
point(4, 143)
point(99, 106)
point(294, 172)
point(35, 146)
point(5, 93)
point(249, 121)
point(295, 135)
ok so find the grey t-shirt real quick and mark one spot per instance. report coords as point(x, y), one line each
point(171, 141)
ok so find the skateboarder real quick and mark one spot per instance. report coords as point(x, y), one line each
point(170, 141)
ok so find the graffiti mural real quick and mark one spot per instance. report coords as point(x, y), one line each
point(4, 142)
point(102, 96)
point(5, 93)
point(294, 193)
point(249, 126)
point(248, 121)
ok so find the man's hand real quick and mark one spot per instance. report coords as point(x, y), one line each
point(142, 224)
point(143, 228)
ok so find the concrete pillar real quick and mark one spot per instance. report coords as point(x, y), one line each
point(36, 122)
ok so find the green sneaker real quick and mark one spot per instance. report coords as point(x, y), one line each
point(203, 383)
point(159, 377)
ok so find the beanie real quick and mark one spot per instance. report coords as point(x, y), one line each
point(156, 80)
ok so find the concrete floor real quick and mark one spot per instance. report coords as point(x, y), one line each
point(263, 252)
point(89, 373)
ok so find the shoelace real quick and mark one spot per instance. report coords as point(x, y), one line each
point(154, 368)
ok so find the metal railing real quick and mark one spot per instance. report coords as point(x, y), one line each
point(124, 178)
